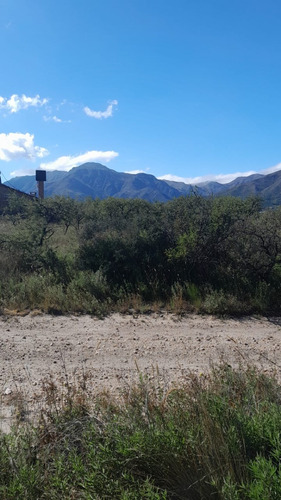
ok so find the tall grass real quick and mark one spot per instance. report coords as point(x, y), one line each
point(215, 436)
point(85, 293)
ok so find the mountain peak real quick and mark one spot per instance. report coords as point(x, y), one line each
point(91, 166)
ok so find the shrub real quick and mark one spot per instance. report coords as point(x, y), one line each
point(222, 303)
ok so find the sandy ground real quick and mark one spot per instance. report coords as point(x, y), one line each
point(115, 349)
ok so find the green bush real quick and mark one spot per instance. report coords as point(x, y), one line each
point(222, 303)
point(215, 255)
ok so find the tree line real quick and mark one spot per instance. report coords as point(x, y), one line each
point(219, 255)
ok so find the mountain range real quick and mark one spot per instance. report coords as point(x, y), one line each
point(97, 181)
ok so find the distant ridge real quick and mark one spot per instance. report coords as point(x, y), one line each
point(98, 181)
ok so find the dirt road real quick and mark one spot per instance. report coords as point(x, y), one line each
point(115, 349)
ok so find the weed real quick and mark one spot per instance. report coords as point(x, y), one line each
point(215, 436)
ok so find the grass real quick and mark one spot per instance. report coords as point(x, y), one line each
point(65, 242)
point(214, 436)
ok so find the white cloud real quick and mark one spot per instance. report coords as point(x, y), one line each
point(66, 163)
point(271, 170)
point(221, 178)
point(135, 172)
point(22, 172)
point(15, 146)
point(55, 119)
point(15, 103)
point(101, 114)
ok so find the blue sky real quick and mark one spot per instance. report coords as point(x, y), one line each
point(186, 88)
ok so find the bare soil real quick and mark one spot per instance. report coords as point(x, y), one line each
point(116, 349)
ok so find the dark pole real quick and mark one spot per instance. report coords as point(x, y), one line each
point(40, 177)
point(40, 185)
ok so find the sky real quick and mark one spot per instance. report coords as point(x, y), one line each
point(185, 90)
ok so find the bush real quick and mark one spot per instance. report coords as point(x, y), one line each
point(221, 303)
point(217, 255)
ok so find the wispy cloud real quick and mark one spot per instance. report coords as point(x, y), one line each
point(66, 163)
point(99, 115)
point(221, 178)
point(15, 146)
point(15, 103)
point(22, 172)
point(135, 172)
point(271, 170)
point(55, 119)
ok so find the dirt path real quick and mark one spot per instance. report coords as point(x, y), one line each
point(114, 349)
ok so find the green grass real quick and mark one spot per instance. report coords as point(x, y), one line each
point(65, 242)
point(215, 436)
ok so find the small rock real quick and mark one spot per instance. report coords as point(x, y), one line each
point(8, 391)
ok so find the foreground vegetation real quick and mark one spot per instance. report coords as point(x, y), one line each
point(215, 255)
point(216, 436)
